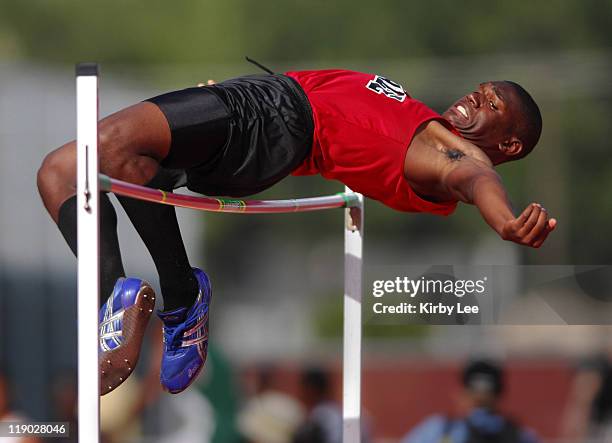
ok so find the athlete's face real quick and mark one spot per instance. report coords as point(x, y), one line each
point(488, 118)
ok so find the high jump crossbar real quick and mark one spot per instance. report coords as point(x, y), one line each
point(340, 200)
point(90, 182)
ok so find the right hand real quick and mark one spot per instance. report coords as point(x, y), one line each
point(530, 228)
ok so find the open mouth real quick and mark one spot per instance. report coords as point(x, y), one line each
point(462, 110)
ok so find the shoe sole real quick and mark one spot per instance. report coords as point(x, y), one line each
point(193, 378)
point(115, 366)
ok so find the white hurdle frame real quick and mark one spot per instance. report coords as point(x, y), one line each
point(351, 361)
point(89, 280)
point(88, 238)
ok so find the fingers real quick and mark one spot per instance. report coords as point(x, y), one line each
point(525, 215)
point(533, 226)
point(550, 226)
point(538, 227)
point(208, 83)
point(542, 237)
point(531, 221)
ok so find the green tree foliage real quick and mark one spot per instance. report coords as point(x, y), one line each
point(136, 31)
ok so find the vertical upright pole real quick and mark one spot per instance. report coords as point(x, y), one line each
point(351, 372)
point(88, 246)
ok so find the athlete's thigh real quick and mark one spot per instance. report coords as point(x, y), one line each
point(199, 124)
point(140, 130)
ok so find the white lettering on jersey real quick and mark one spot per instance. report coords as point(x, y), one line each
point(382, 85)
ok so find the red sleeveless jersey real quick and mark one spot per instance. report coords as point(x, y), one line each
point(364, 124)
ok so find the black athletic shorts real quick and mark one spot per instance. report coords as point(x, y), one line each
point(239, 136)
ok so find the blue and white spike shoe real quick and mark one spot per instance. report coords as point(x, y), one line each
point(122, 322)
point(186, 339)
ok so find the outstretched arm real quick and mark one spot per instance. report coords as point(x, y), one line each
point(474, 182)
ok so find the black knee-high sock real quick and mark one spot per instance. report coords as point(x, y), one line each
point(111, 266)
point(158, 227)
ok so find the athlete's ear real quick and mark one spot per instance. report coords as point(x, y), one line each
point(511, 147)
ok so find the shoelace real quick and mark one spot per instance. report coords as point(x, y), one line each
point(173, 335)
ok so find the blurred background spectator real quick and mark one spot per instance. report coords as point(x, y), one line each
point(483, 421)
point(589, 407)
point(270, 417)
point(324, 415)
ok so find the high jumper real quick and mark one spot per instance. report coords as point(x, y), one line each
point(243, 135)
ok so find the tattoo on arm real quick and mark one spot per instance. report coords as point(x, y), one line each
point(454, 154)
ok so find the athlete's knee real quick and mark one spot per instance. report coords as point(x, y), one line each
point(57, 168)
